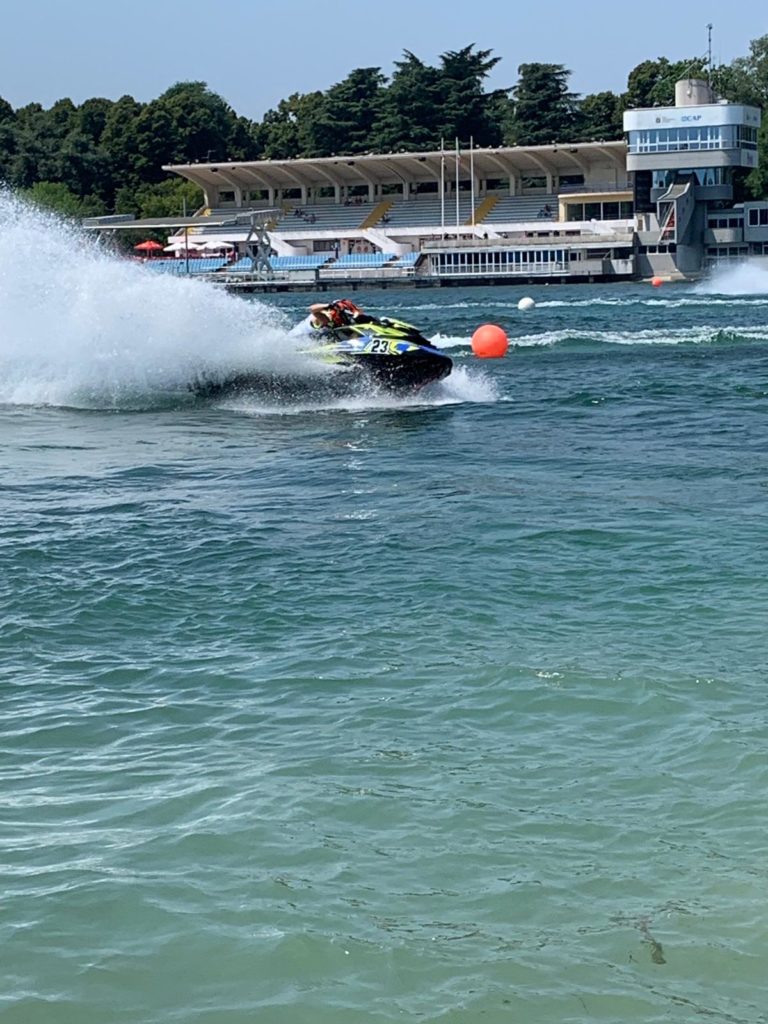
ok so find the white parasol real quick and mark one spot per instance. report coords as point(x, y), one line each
point(179, 245)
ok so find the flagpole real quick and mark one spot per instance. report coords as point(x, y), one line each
point(472, 174)
point(457, 185)
point(442, 185)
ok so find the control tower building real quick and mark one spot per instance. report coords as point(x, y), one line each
point(681, 162)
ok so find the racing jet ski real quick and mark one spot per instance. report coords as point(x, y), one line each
point(358, 355)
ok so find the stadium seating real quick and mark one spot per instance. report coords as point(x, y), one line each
point(179, 267)
point(362, 260)
point(300, 262)
point(408, 259)
point(427, 213)
point(325, 217)
point(243, 266)
point(510, 209)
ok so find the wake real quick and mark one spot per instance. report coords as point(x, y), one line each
point(81, 327)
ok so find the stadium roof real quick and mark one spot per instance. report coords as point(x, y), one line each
point(389, 168)
point(127, 222)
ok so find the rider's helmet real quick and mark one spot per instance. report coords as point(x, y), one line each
point(344, 311)
point(339, 313)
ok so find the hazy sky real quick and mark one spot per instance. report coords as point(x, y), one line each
point(254, 53)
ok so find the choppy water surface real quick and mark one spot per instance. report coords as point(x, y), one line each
point(439, 710)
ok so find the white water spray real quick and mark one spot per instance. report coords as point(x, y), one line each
point(742, 279)
point(80, 327)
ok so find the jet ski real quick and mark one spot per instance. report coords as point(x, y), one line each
point(375, 354)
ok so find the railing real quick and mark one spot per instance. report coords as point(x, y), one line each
point(593, 187)
point(359, 274)
point(307, 276)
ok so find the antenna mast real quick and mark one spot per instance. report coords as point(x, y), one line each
point(709, 54)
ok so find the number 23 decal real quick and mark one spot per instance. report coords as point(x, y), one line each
point(379, 345)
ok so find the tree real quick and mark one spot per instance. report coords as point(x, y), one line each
point(347, 115)
point(467, 111)
point(652, 83)
point(285, 132)
point(56, 196)
point(90, 117)
point(746, 81)
point(410, 113)
point(7, 138)
point(543, 110)
point(186, 124)
point(118, 140)
point(600, 117)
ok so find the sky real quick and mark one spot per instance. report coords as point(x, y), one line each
point(254, 53)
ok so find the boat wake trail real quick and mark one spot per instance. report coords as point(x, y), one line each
point(80, 327)
point(463, 385)
point(743, 279)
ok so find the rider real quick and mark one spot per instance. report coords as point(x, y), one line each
point(326, 316)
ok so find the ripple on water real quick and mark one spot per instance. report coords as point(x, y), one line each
point(448, 711)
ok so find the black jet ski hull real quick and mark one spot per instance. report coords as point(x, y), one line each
point(355, 374)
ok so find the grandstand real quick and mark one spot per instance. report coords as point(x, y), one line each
point(379, 216)
point(586, 211)
point(382, 217)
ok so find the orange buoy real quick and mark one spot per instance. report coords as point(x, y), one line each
point(656, 282)
point(490, 342)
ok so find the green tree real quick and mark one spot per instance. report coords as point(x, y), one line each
point(346, 118)
point(746, 81)
point(410, 112)
point(543, 110)
point(7, 138)
point(652, 83)
point(90, 117)
point(600, 117)
point(466, 110)
point(203, 125)
point(286, 132)
point(56, 196)
point(173, 197)
point(118, 141)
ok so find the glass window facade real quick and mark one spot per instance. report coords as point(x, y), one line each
point(599, 211)
point(508, 261)
point(701, 175)
point(724, 221)
point(676, 140)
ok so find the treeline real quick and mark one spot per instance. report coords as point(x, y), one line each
point(106, 156)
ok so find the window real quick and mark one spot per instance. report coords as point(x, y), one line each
point(670, 140)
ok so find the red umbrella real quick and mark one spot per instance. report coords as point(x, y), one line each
point(148, 246)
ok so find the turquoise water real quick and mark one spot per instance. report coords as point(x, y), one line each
point(449, 709)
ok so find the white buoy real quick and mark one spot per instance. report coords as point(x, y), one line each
point(526, 303)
